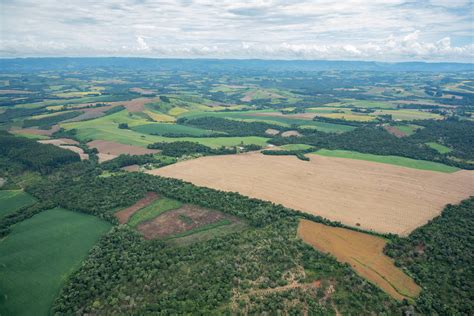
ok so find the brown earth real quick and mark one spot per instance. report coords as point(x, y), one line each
point(135, 105)
point(171, 223)
point(394, 131)
point(125, 214)
point(364, 253)
point(113, 148)
point(36, 131)
point(290, 133)
point(272, 131)
point(68, 144)
point(131, 168)
point(375, 196)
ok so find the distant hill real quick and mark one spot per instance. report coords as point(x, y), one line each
point(28, 64)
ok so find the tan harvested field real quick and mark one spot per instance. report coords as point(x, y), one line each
point(113, 148)
point(272, 131)
point(135, 105)
point(364, 253)
point(290, 133)
point(172, 223)
point(125, 214)
point(68, 144)
point(105, 157)
point(375, 196)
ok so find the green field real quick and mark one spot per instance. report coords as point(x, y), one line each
point(439, 148)
point(106, 128)
point(279, 120)
point(408, 129)
point(39, 254)
point(362, 104)
point(408, 115)
point(393, 160)
point(153, 210)
point(295, 147)
point(166, 128)
point(12, 200)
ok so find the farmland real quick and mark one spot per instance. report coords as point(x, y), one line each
point(313, 188)
point(42, 252)
point(365, 255)
point(358, 193)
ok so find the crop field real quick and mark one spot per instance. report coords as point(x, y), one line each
point(113, 148)
point(365, 255)
point(163, 129)
point(68, 144)
point(39, 254)
point(408, 115)
point(153, 210)
point(370, 195)
point(13, 200)
point(393, 160)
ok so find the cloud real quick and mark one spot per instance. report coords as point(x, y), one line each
point(325, 29)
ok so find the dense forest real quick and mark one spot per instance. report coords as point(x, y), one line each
point(440, 255)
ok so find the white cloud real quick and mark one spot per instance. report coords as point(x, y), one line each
point(324, 29)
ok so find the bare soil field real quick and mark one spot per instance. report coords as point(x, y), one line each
point(113, 148)
point(364, 253)
point(370, 195)
point(125, 214)
point(36, 131)
point(394, 131)
point(68, 144)
point(135, 105)
point(177, 221)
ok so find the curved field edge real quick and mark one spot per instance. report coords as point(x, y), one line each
point(153, 210)
point(12, 200)
point(42, 252)
point(392, 160)
point(364, 253)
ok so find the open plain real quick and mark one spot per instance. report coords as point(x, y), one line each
point(373, 196)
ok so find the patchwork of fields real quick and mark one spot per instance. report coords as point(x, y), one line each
point(369, 195)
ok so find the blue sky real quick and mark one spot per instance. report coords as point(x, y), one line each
point(390, 30)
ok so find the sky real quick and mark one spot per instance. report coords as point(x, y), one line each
point(390, 30)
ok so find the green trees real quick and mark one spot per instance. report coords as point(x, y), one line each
point(439, 255)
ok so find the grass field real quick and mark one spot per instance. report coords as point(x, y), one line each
point(12, 200)
point(365, 255)
point(393, 160)
point(163, 129)
point(295, 147)
point(39, 254)
point(408, 129)
point(106, 128)
point(439, 148)
point(408, 115)
point(153, 210)
point(362, 104)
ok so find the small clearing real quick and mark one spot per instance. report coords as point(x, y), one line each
point(364, 253)
point(291, 134)
point(272, 131)
point(394, 131)
point(181, 220)
point(125, 214)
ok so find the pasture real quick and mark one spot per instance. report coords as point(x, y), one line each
point(373, 196)
point(39, 254)
point(164, 129)
point(364, 253)
point(439, 148)
point(393, 160)
point(13, 200)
